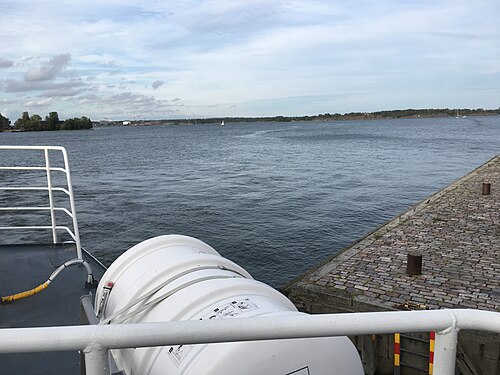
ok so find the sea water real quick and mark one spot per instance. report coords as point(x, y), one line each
point(276, 198)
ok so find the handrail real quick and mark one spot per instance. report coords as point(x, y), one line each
point(96, 340)
point(75, 235)
point(34, 188)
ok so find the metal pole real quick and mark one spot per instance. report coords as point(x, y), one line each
point(92, 339)
point(51, 198)
point(116, 336)
point(87, 314)
point(445, 351)
point(72, 204)
point(96, 361)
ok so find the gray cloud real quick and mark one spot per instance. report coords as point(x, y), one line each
point(4, 63)
point(132, 100)
point(11, 85)
point(7, 101)
point(157, 84)
point(125, 104)
point(60, 91)
point(49, 70)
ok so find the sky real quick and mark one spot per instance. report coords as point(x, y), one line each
point(162, 59)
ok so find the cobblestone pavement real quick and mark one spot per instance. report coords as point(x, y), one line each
point(457, 232)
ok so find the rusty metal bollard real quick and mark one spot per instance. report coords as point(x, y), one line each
point(486, 188)
point(414, 264)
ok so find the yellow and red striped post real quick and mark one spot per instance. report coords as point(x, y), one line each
point(432, 337)
point(397, 352)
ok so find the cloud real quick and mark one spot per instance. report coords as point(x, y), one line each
point(4, 63)
point(157, 84)
point(124, 105)
point(257, 55)
point(39, 103)
point(134, 101)
point(49, 70)
point(13, 86)
point(7, 101)
point(60, 91)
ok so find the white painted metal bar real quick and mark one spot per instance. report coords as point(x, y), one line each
point(71, 234)
point(58, 169)
point(34, 188)
point(51, 198)
point(446, 346)
point(32, 168)
point(87, 316)
point(96, 361)
point(63, 190)
point(116, 336)
point(32, 227)
point(25, 188)
point(59, 227)
point(23, 168)
point(24, 208)
point(65, 210)
point(72, 204)
point(44, 227)
point(31, 147)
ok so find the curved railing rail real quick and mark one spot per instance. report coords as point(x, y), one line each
point(48, 169)
point(96, 340)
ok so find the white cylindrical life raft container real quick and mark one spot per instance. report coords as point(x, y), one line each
point(189, 280)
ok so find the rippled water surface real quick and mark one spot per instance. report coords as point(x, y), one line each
point(276, 198)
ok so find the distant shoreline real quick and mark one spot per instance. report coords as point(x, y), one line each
point(352, 116)
point(380, 115)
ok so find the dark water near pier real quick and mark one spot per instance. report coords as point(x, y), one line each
point(274, 197)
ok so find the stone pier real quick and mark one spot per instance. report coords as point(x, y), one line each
point(456, 232)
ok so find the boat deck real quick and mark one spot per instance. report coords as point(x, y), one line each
point(23, 267)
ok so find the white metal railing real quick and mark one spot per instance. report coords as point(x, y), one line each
point(74, 233)
point(95, 340)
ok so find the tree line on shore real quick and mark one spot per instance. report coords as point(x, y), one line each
point(389, 114)
point(51, 122)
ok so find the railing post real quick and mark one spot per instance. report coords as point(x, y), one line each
point(72, 204)
point(51, 198)
point(96, 360)
point(445, 351)
point(87, 314)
